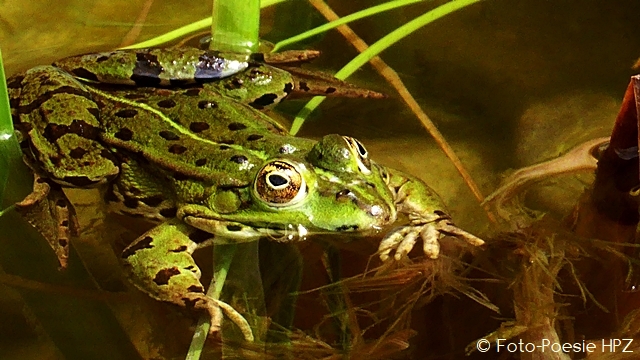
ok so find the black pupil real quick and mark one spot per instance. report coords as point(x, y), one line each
point(277, 180)
point(361, 149)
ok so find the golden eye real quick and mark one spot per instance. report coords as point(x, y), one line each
point(280, 183)
point(362, 156)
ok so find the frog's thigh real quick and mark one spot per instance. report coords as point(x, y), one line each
point(64, 128)
point(161, 265)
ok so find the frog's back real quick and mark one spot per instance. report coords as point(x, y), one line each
point(195, 132)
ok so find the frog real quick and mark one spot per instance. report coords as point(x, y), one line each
point(181, 138)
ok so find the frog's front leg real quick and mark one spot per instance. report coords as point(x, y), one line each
point(427, 215)
point(160, 264)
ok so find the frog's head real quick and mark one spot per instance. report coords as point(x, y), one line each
point(336, 188)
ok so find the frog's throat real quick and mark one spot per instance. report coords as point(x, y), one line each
point(230, 232)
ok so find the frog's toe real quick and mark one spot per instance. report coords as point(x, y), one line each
point(406, 244)
point(237, 319)
point(451, 229)
point(391, 241)
point(430, 241)
point(213, 307)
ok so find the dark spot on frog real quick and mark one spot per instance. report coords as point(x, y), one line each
point(235, 126)
point(177, 149)
point(201, 162)
point(147, 70)
point(234, 228)
point(330, 90)
point(94, 111)
point(163, 276)
point(64, 223)
point(198, 126)
point(239, 159)
point(79, 181)
point(131, 203)
point(179, 82)
point(234, 84)
point(145, 243)
point(227, 141)
point(264, 100)
point(15, 82)
point(190, 304)
point(190, 267)
point(63, 242)
point(126, 113)
point(180, 176)
point(207, 104)
point(224, 147)
point(85, 74)
point(53, 132)
point(166, 104)
point(288, 88)
point(124, 134)
point(179, 249)
point(254, 137)
point(61, 204)
point(102, 58)
point(193, 92)
point(347, 228)
point(56, 160)
point(303, 86)
point(200, 236)
point(195, 289)
point(77, 153)
point(169, 212)
point(153, 201)
point(168, 135)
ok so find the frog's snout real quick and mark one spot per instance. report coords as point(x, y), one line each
point(381, 212)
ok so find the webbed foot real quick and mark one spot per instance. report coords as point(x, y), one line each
point(430, 228)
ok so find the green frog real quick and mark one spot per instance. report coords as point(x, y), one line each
point(178, 137)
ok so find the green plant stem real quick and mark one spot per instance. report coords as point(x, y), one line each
point(224, 256)
point(235, 26)
point(344, 20)
point(379, 46)
point(188, 29)
point(11, 166)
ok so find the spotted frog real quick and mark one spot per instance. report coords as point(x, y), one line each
point(178, 137)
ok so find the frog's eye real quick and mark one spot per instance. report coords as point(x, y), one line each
point(279, 184)
point(362, 156)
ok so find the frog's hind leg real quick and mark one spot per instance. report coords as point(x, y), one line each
point(60, 127)
point(160, 264)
